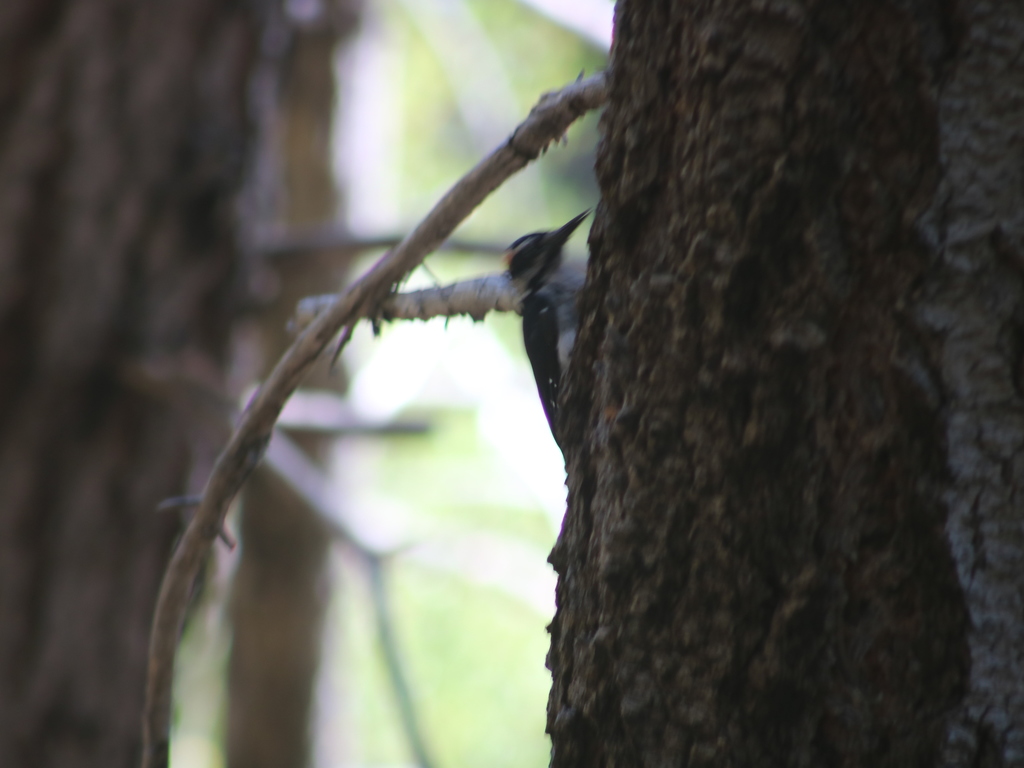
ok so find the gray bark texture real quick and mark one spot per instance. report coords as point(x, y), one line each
point(122, 130)
point(793, 422)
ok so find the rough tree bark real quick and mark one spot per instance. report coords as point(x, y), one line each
point(794, 422)
point(122, 130)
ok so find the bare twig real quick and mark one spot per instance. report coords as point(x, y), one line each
point(182, 503)
point(470, 297)
point(547, 122)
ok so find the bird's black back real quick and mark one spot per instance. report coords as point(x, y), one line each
point(540, 336)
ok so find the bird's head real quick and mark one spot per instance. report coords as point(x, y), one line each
point(533, 258)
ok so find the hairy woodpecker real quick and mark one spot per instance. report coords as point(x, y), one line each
point(548, 290)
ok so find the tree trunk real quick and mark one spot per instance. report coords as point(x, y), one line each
point(282, 587)
point(793, 421)
point(122, 130)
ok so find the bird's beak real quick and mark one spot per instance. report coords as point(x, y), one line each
point(561, 235)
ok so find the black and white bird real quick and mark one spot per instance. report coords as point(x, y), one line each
point(548, 290)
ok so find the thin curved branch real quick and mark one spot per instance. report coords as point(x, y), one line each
point(547, 122)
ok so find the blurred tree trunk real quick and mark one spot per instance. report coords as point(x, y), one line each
point(122, 140)
point(794, 420)
point(281, 589)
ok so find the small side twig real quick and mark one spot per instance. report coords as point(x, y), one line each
point(182, 503)
point(547, 122)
